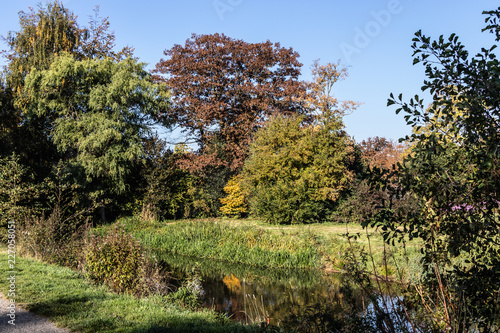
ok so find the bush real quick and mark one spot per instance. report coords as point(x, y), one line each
point(118, 260)
point(53, 240)
point(235, 203)
point(115, 259)
point(17, 192)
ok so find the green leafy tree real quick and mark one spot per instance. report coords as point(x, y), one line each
point(44, 34)
point(295, 173)
point(453, 169)
point(9, 119)
point(50, 31)
point(98, 111)
point(165, 189)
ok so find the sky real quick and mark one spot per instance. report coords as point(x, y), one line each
point(372, 37)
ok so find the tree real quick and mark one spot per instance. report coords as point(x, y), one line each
point(224, 89)
point(295, 173)
point(53, 30)
point(320, 97)
point(44, 34)
point(235, 203)
point(8, 121)
point(380, 152)
point(99, 111)
point(164, 191)
point(455, 173)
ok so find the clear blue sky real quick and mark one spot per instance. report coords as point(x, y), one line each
point(373, 37)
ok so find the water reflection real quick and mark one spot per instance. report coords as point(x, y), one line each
point(250, 294)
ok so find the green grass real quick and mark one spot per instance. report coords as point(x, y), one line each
point(67, 299)
point(251, 242)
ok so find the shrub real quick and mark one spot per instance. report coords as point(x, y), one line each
point(114, 259)
point(17, 192)
point(54, 220)
point(53, 240)
point(118, 260)
point(235, 203)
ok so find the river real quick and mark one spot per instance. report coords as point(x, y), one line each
point(252, 295)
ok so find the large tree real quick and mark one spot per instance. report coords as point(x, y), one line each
point(295, 173)
point(99, 111)
point(45, 33)
point(224, 89)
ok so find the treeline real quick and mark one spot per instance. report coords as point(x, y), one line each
point(79, 119)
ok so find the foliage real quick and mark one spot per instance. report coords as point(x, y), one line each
point(296, 173)
point(17, 192)
point(223, 89)
point(455, 174)
point(50, 31)
point(54, 240)
point(320, 96)
point(379, 152)
point(97, 109)
point(55, 98)
point(167, 187)
point(235, 203)
point(8, 121)
point(118, 260)
point(362, 200)
point(59, 237)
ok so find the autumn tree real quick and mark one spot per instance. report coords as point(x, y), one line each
point(224, 89)
point(381, 152)
point(320, 97)
point(296, 173)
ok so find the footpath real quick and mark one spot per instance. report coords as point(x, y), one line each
point(25, 321)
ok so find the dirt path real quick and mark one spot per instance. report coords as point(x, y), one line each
point(25, 321)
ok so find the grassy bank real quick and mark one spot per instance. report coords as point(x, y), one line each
point(250, 242)
point(67, 299)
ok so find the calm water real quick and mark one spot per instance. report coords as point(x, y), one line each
point(250, 294)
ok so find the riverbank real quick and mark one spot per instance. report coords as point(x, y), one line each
point(70, 301)
point(251, 242)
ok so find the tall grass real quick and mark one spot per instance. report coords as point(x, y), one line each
point(245, 245)
point(250, 243)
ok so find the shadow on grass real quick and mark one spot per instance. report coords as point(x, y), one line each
point(81, 314)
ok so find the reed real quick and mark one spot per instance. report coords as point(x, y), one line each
point(253, 243)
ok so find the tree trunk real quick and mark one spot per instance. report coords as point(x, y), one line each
point(102, 211)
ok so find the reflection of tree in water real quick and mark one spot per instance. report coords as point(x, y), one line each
point(228, 288)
